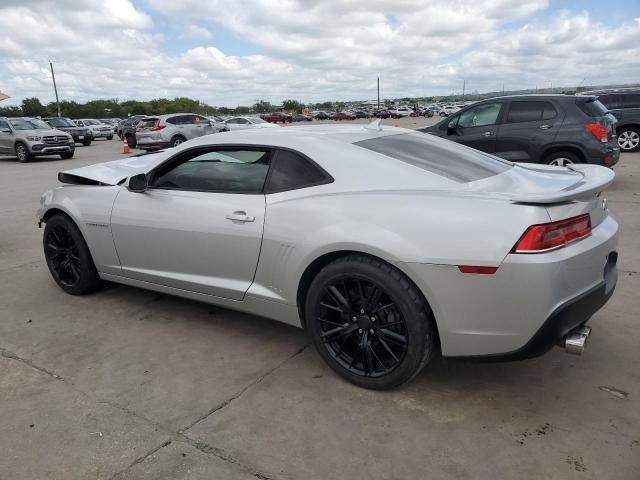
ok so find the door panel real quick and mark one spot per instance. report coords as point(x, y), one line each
point(476, 127)
point(528, 128)
point(196, 241)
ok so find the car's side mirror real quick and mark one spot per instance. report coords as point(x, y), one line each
point(138, 183)
point(452, 127)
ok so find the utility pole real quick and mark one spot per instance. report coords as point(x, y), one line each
point(55, 88)
point(464, 84)
point(378, 93)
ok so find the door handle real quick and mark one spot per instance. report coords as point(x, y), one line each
point(545, 127)
point(240, 216)
point(487, 134)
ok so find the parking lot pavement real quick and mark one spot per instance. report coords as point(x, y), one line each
point(131, 384)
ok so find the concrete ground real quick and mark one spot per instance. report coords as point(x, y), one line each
point(130, 384)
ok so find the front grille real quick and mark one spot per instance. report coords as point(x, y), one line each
point(55, 139)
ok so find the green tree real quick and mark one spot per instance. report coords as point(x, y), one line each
point(31, 107)
point(262, 106)
point(240, 110)
point(292, 106)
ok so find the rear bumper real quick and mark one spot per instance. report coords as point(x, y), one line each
point(565, 318)
point(528, 304)
point(607, 156)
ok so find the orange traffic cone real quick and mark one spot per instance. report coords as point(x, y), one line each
point(125, 148)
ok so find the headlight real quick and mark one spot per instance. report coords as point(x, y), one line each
point(33, 138)
point(70, 138)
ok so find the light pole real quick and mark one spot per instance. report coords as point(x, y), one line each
point(55, 88)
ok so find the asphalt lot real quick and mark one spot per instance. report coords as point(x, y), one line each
point(130, 384)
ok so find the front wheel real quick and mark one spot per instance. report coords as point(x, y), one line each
point(110, 137)
point(628, 139)
point(369, 322)
point(66, 155)
point(86, 141)
point(23, 153)
point(68, 257)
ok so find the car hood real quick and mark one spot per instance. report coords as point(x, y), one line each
point(546, 184)
point(40, 132)
point(112, 173)
point(72, 129)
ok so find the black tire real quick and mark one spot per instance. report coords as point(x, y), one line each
point(383, 347)
point(86, 141)
point(629, 139)
point(177, 140)
point(110, 137)
point(68, 257)
point(67, 155)
point(23, 153)
point(562, 158)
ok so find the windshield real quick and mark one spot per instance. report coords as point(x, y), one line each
point(61, 122)
point(91, 122)
point(256, 120)
point(29, 124)
point(442, 158)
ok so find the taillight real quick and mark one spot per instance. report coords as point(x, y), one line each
point(597, 131)
point(157, 126)
point(549, 236)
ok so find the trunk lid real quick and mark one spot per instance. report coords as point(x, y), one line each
point(564, 191)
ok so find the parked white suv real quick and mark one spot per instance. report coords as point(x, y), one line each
point(31, 137)
point(97, 128)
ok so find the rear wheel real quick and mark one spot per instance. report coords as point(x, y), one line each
point(68, 257)
point(369, 322)
point(562, 159)
point(177, 140)
point(23, 153)
point(628, 139)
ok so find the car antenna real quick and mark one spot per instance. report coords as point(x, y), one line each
point(375, 125)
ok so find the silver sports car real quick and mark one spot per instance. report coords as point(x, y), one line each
point(385, 244)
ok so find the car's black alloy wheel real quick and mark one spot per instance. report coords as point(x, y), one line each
point(68, 257)
point(369, 322)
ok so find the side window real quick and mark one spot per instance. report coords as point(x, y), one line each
point(234, 121)
point(4, 125)
point(610, 100)
point(482, 115)
point(179, 120)
point(530, 111)
point(228, 170)
point(291, 171)
point(630, 100)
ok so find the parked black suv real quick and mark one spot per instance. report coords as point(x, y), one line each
point(553, 129)
point(624, 104)
point(80, 134)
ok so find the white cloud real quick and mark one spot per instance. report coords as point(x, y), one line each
point(197, 33)
point(309, 49)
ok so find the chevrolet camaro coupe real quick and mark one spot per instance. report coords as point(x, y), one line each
point(387, 245)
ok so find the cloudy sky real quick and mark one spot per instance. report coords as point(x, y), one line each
point(230, 53)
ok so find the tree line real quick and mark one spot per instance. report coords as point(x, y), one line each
point(113, 108)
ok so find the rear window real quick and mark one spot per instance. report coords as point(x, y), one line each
point(592, 107)
point(147, 123)
point(442, 158)
point(530, 111)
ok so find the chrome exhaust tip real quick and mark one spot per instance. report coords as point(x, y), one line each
point(576, 339)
